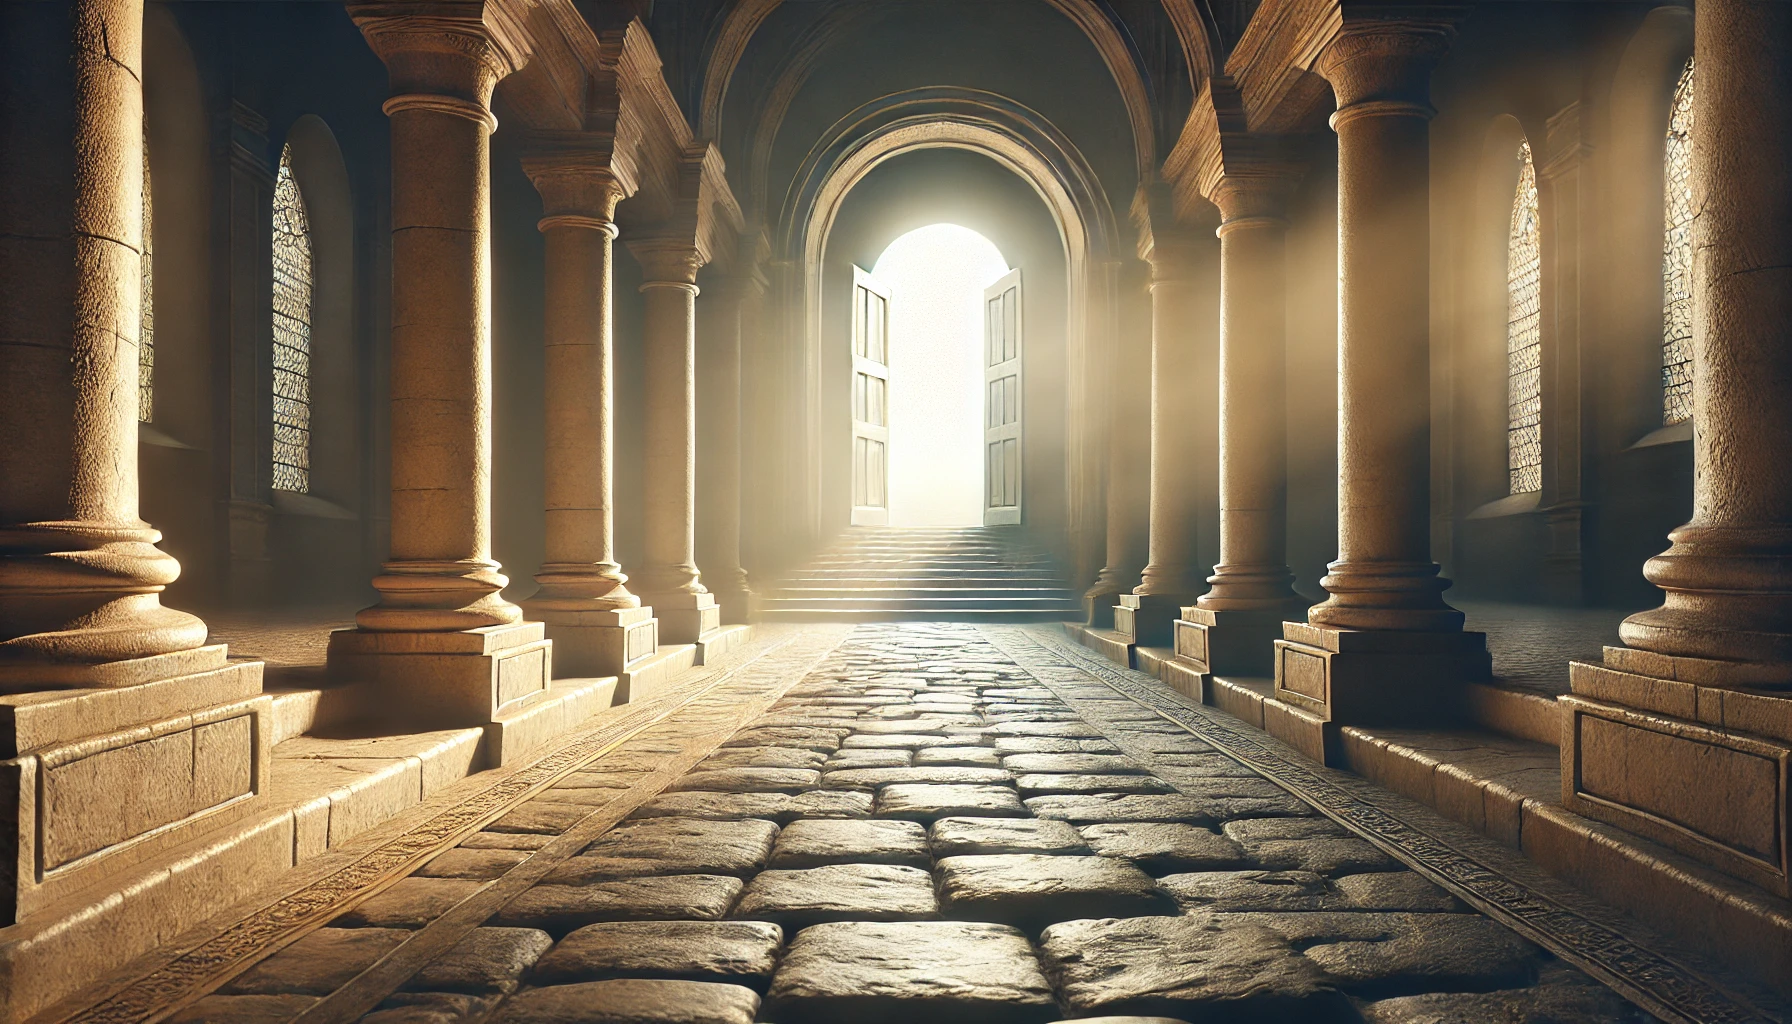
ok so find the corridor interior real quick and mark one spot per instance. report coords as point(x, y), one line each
point(875, 511)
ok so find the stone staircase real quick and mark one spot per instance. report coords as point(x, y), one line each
point(957, 574)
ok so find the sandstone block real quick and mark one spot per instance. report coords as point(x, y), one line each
point(958, 756)
point(318, 964)
point(723, 847)
point(488, 960)
point(1059, 764)
point(902, 972)
point(1397, 954)
point(970, 836)
point(838, 892)
point(1044, 785)
point(1163, 847)
point(763, 757)
point(812, 843)
point(872, 778)
point(431, 1008)
point(750, 780)
point(1307, 844)
point(410, 903)
point(632, 1001)
point(224, 1009)
point(561, 908)
point(931, 802)
point(778, 807)
point(540, 816)
point(472, 862)
point(1052, 745)
point(1097, 809)
point(1031, 891)
point(735, 952)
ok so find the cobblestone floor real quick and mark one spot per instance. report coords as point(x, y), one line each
point(919, 830)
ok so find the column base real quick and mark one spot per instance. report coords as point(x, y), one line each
point(685, 618)
point(736, 605)
point(599, 643)
point(451, 679)
point(1098, 607)
point(1231, 643)
point(1144, 619)
point(1378, 677)
point(1646, 751)
point(95, 781)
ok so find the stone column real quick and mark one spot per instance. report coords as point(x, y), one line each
point(81, 577)
point(1383, 646)
point(1174, 575)
point(727, 308)
point(1128, 458)
point(669, 579)
point(1232, 629)
point(1701, 691)
point(597, 626)
point(441, 632)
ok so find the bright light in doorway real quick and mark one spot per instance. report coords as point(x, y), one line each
point(936, 277)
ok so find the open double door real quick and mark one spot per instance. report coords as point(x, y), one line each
point(871, 401)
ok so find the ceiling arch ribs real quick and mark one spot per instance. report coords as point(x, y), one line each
point(746, 16)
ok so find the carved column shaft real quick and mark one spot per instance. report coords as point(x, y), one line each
point(1174, 569)
point(1253, 574)
point(728, 309)
point(1129, 465)
point(579, 571)
point(80, 576)
point(669, 579)
point(1384, 577)
point(1728, 574)
point(441, 575)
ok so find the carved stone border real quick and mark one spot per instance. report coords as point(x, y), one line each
point(195, 971)
point(1575, 928)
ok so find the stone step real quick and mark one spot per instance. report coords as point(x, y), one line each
point(991, 602)
point(934, 615)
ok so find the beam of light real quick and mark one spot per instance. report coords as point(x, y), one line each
point(936, 276)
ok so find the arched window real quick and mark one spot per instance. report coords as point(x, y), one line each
point(292, 333)
point(1524, 334)
point(1676, 259)
point(146, 324)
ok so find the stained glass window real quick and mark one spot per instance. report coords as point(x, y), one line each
point(1676, 259)
point(292, 333)
point(1524, 334)
point(146, 326)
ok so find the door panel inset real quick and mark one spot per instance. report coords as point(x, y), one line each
point(870, 400)
point(1002, 401)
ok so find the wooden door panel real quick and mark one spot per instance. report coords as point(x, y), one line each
point(1002, 360)
point(870, 400)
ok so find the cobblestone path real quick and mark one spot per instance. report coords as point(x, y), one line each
point(918, 830)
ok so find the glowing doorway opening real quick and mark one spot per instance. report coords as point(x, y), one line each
point(936, 277)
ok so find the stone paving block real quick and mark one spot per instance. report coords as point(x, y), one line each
point(1307, 844)
point(733, 847)
point(505, 841)
point(1394, 890)
point(1562, 995)
point(778, 807)
point(1238, 891)
point(243, 1010)
point(1375, 955)
point(1171, 743)
point(561, 908)
point(815, 842)
point(318, 964)
point(540, 816)
point(465, 862)
point(763, 757)
point(893, 741)
point(1031, 891)
point(960, 756)
point(1042, 785)
point(872, 778)
point(749, 780)
point(901, 973)
point(1021, 693)
point(1097, 809)
point(928, 802)
point(735, 952)
point(969, 836)
point(1201, 766)
point(839, 892)
point(431, 1008)
point(632, 1001)
point(488, 960)
point(1202, 968)
point(923, 726)
point(585, 870)
point(822, 740)
point(588, 797)
point(1123, 1020)
point(872, 758)
point(1062, 730)
point(1165, 847)
point(1052, 745)
point(410, 903)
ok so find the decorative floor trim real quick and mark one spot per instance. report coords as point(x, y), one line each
point(1493, 880)
point(753, 678)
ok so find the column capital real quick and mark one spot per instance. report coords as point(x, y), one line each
point(458, 49)
point(668, 261)
point(1247, 175)
point(579, 181)
point(1384, 54)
